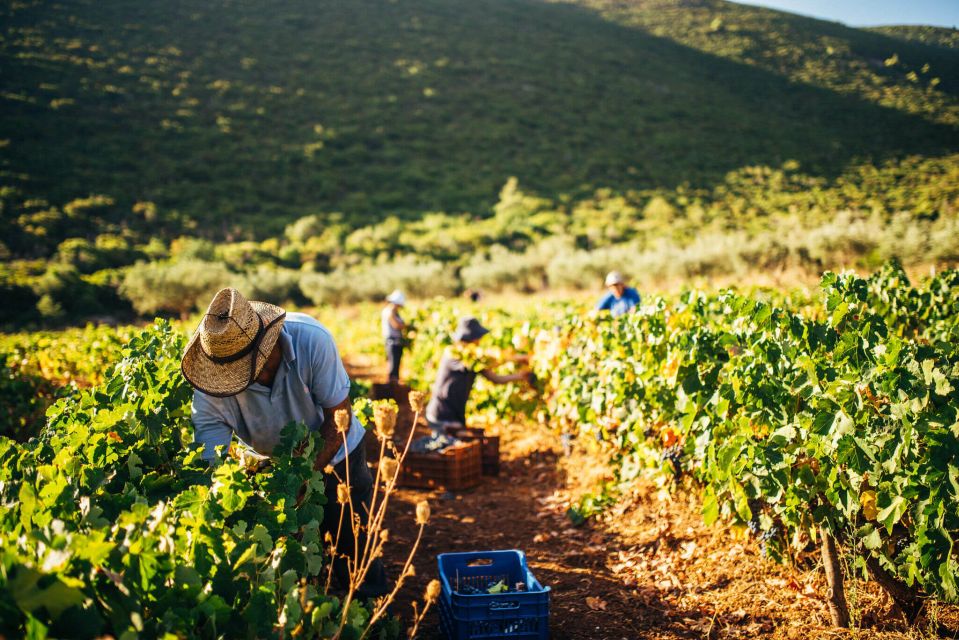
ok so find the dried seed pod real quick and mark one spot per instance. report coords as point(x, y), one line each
point(384, 417)
point(388, 469)
point(385, 535)
point(342, 420)
point(422, 512)
point(342, 493)
point(417, 401)
point(432, 591)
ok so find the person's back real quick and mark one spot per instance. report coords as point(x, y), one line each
point(459, 366)
point(451, 391)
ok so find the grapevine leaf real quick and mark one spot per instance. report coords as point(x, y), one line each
point(245, 557)
point(741, 501)
point(783, 435)
point(710, 506)
point(873, 540)
point(891, 514)
point(55, 596)
point(28, 505)
point(947, 573)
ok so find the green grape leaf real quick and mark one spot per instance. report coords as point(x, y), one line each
point(892, 513)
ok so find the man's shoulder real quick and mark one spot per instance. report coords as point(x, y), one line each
point(634, 293)
point(306, 332)
point(301, 323)
point(204, 402)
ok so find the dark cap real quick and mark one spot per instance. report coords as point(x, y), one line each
point(469, 329)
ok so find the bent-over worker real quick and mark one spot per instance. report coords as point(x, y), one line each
point(255, 369)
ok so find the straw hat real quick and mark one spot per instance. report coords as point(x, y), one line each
point(232, 344)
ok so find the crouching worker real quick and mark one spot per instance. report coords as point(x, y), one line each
point(459, 366)
point(254, 369)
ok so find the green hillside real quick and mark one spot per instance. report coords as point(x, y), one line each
point(320, 151)
point(938, 36)
point(236, 117)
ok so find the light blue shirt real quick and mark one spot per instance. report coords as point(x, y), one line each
point(619, 306)
point(310, 377)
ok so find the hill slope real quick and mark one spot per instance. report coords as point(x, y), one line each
point(938, 36)
point(238, 116)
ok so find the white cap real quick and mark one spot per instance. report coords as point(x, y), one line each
point(396, 297)
point(614, 277)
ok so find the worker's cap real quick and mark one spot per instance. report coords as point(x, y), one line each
point(469, 329)
point(614, 277)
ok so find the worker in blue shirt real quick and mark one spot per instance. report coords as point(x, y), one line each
point(620, 299)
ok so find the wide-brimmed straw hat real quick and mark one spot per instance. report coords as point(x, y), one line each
point(232, 343)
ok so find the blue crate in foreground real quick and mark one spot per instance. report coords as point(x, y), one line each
point(516, 614)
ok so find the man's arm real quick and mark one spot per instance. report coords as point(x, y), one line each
point(332, 439)
point(605, 302)
point(498, 378)
point(209, 427)
point(396, 322)
point(330, 388)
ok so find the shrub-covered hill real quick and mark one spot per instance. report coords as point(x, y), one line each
point(939, 36)
point(236, 117)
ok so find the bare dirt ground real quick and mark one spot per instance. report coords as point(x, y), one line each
point(649, 568)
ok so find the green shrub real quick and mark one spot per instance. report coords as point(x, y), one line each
point(375, 282)
point(174, 287)
point(273, 285)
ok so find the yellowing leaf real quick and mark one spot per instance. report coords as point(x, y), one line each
point(868, 502)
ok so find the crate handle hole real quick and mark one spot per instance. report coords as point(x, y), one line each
point(480, 562)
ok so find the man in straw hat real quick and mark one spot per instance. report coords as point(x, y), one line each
point(255, 369)
point(620, 299)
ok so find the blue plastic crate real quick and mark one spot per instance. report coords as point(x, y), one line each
point(523, 614)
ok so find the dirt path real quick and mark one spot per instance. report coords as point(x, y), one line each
point(647, 569)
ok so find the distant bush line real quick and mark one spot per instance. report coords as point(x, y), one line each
point(760, 219)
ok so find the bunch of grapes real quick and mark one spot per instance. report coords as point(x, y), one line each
point(770, 534)
point(432, 444)
point(674, 455)
point(901, 543)
point(755, 508)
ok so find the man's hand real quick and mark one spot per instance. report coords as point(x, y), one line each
point(332, 439)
